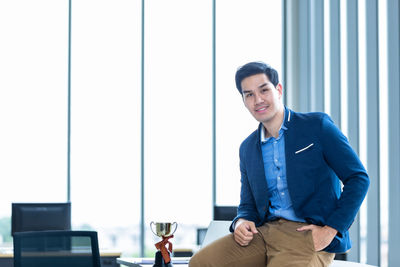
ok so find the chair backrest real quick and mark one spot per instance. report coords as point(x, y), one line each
point(225, 213)
point(40, 217)
point(56, 248)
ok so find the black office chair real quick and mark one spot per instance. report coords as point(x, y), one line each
point(56, 249)
point(225, 213)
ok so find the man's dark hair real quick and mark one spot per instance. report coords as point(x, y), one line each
point(253, 68)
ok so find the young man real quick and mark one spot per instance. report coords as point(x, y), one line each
point(293, 210)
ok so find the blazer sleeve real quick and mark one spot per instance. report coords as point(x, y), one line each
point(247, 207)
point(348, 167)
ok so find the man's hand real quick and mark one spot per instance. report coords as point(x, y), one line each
point(244, 231)
point(322, 235)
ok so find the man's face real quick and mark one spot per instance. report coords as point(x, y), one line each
point(261, 97)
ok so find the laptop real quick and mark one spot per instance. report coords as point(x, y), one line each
point(216, 230)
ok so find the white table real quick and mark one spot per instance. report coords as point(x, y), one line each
point(136, 262)
point(133, 262)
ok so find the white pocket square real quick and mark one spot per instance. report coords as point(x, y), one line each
point(307, 147)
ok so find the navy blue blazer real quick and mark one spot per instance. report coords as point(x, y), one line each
point(318, 157)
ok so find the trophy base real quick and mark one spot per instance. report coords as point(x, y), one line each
point(159, 261)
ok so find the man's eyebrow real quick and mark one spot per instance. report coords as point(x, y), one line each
point(246, 91)
point(260, 86)
point(263, 85)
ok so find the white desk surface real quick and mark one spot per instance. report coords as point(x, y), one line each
point(132, 262)
point(136, 262)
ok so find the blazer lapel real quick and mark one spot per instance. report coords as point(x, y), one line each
point(290, 138)
point(259, 183)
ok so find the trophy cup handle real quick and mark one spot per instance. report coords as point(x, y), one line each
point(151, 228)
point(176, 227)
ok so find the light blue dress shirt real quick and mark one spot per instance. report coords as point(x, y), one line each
point(273, 152)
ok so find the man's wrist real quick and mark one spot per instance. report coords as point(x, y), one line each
point(237, 223)
point(331, 231)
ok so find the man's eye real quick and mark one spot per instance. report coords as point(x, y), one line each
point(248, 95)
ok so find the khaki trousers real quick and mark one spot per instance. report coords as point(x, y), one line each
point(277, 244)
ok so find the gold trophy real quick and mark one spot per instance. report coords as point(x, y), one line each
point(163, 230)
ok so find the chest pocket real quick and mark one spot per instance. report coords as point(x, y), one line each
point(307, 163)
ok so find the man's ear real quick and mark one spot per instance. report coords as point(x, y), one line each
point(280, 89)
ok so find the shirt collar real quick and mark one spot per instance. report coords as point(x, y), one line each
point(262, 132)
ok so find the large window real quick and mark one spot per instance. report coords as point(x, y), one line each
point(178, 89)
point(105, 115)
point(33, 104)
point(246, 31)
point(105, 88)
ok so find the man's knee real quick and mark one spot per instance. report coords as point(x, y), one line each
point(225, 252)
point(213, 255)
point(198, 260)
point(194, 261)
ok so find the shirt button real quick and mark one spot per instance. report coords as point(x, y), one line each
point(279, 177)
point(282, 194)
